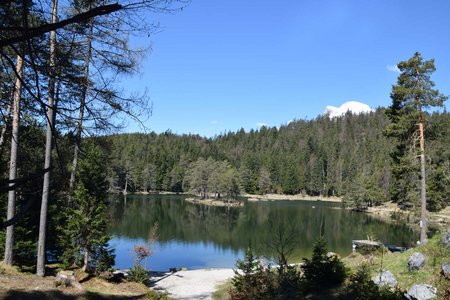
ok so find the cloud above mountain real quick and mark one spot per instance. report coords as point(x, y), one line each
point(354, 107)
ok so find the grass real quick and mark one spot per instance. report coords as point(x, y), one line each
point(397, 263)
point(221, 292)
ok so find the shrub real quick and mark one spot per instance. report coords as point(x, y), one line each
point(251, 280)
point(322, 270)
point(361, 287)
point(138, 274)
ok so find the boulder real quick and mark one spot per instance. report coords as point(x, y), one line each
point(416, 261)
point(67, 278)
point(332, 254)
point(445, 270)
point(421, 292)
point(446, 239)
point(385, 278)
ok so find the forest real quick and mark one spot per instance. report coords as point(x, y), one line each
point(61, 101)
point(319, 157)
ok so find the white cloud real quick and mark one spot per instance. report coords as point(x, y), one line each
point(393, 68)
point(354, 107)
point(214, 122)
point(262, 124)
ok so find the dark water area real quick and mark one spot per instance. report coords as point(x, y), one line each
point(200, 236)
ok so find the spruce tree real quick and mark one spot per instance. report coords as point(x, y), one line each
point(86, 232)
point(413, 93)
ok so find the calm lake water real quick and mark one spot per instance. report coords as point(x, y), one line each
point(199, 236)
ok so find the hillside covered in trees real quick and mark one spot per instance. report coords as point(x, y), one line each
point(321, 157)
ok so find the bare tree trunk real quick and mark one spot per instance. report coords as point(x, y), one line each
point(9, 240)
point(423, 199)
point(51, 110)
point(82, 106)
point(85, 259)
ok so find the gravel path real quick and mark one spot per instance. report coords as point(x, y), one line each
point(192, 284)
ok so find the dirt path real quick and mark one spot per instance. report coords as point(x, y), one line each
point(192, 284)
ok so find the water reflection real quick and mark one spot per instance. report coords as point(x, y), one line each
point(197, 236)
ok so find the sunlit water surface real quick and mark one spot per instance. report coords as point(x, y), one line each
point(199, 236)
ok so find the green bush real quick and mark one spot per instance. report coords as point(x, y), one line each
point(361, 287)
point(322, 270)
point(251, 281)
point(138, 274)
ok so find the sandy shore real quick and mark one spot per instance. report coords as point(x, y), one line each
point(298, 197)
point(191, 284)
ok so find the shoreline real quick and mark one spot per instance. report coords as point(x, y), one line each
point(215, 202)
point(298, 197)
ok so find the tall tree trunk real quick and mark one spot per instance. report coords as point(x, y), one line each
point(82, 106)
point(51, 111)
point(9, 240)
point(423, 199)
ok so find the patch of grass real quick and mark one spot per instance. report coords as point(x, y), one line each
point(397, 264)
point(221, 292)
point(8, 270)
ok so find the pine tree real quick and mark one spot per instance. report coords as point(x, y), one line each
point(413, 93)
point(86, 232)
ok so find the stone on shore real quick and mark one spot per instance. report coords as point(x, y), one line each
point(385, 278)
point(446, 239)
point(421, 292)
point(416, 261)
point(445, 270)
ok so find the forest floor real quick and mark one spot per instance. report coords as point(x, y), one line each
point(191, 284)
point(21, 285)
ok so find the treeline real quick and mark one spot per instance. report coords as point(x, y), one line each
point(320, 157)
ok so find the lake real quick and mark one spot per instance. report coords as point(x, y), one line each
point(199, 236)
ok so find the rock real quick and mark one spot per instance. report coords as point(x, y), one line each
point(332, 254)
point(385, 278)
point(421, 292)
point(416, 261)
point(121, 273)
point(445, 270)
point(446, 239)
point(67, 278)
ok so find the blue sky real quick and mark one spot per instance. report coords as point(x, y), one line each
point(217, 66)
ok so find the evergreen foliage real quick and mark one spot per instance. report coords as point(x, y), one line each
point(411, 96)
point(86, 232)
point(361, 287)
point(323, 156)
point(251, 280)
point(323, 270)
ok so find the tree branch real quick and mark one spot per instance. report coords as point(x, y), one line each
point(83, 17)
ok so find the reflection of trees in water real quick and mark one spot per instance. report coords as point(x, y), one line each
point(254, 224)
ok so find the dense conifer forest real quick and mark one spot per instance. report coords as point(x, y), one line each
point(321, 157)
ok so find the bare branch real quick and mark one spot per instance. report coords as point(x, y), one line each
point(40, 30)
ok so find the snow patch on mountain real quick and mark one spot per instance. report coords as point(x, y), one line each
point(354, 107)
